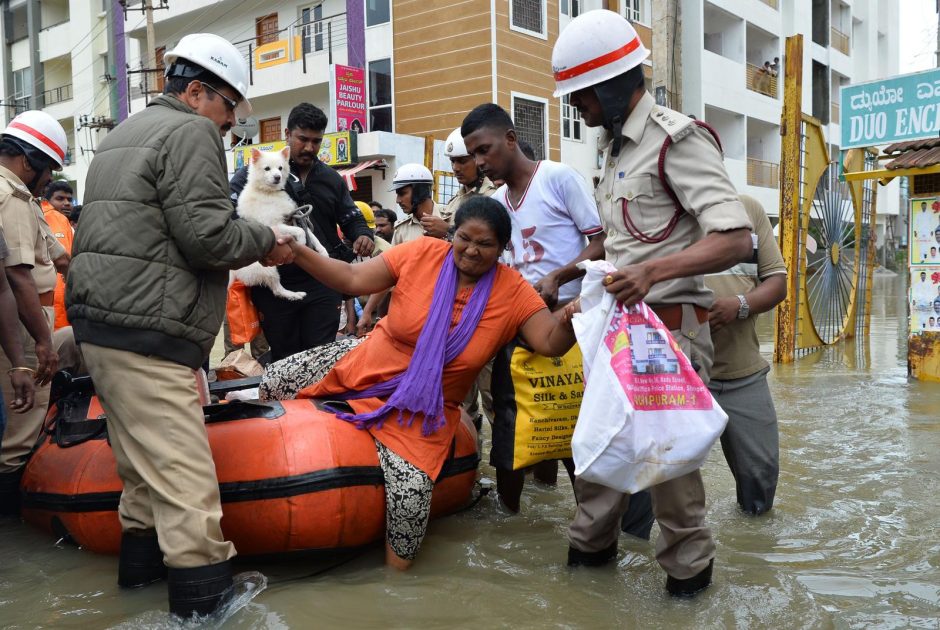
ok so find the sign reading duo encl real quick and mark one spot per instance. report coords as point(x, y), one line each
point(901, 108)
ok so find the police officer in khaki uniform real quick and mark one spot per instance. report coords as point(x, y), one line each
point(472, 181)
point(31, 147)
point(739, 375)
point(413, 185)
point(662, 246)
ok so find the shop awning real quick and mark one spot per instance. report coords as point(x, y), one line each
point(349, 174)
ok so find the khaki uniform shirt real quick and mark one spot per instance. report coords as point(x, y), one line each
point(485, 188)
point(696, 172)
point(27, 234)
point(381, 246)
point(409, 228)
point(737, 350)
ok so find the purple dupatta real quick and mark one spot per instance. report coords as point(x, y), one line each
point(419, 389)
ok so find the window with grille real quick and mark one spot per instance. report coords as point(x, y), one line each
point(528, 15)
point(529, 118)
point(637, 10)
point(22, 89)
point(570, 120)
point(571, 8)
point(270, 129)
point(380, 95)
point(312, 20)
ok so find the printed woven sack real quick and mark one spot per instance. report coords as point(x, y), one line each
point(536, 400)
point(646, 417)
point(243, 320)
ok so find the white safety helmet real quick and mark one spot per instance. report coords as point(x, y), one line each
point(594, 47)
point(411, 174)
point(40, 131)
point(218, 56)
point(455, 147)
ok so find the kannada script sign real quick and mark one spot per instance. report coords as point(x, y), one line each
point(893, 110)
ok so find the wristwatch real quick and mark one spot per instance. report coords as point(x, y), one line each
point(745, 309)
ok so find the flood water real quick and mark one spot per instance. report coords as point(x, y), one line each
point(852, 542)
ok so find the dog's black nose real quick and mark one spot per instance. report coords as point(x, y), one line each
point(277, 179)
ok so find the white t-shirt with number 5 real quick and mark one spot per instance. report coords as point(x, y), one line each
point(550, 223)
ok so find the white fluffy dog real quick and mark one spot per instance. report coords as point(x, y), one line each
point(265, 201)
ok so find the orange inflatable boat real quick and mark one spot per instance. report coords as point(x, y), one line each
point(292, 477)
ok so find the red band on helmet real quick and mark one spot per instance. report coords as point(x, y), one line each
point(49, 142)
point(603, 60)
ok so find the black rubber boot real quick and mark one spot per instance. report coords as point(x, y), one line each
point(690, 587)
point(10, 495)
point(578, 558)
point(198, 590)
point(141, 561)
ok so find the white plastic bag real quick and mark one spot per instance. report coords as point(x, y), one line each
point(646, 416)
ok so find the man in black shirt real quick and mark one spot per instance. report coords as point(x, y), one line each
point(291, 327)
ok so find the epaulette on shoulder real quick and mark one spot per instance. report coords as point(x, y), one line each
point(21, 194)
point(677, 125)
point(402, 221)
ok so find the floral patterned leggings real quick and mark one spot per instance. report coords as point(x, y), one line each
point(407, 503)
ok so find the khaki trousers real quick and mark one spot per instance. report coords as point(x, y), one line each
point(70, 356)
point(23, 429)
point(685, 545)
point(158, 434)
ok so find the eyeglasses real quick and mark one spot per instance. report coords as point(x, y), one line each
point(230, 103)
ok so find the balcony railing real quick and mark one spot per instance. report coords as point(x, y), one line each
point(296, 41)
point(839, 41)
point(55, 24)
point(57, 95)
point(761, 173)
point(834, 112)
point(759, 80)
point(770, 3)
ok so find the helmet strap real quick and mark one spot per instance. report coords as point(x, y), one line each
point(616, 130)
point(615, 95)
point(419, 194)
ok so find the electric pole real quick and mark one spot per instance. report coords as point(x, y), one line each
point(152, 46)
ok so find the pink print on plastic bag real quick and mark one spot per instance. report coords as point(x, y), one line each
point(653, 371)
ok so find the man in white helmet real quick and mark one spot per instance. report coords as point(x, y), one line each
point(146, 295)
point(669, 220)
point(413, 185)
point(31, 147)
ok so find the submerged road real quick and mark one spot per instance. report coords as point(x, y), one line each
point(852, 542)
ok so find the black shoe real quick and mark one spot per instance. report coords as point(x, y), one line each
point(198, 590)
point(10, 495)
point(690, 586)
point(141, 561)
point(578, 558)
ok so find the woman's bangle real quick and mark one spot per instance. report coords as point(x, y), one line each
point(21, 369)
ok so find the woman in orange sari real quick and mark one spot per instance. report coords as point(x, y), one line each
point(454, 306)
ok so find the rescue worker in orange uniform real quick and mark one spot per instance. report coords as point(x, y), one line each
point(57, 208)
